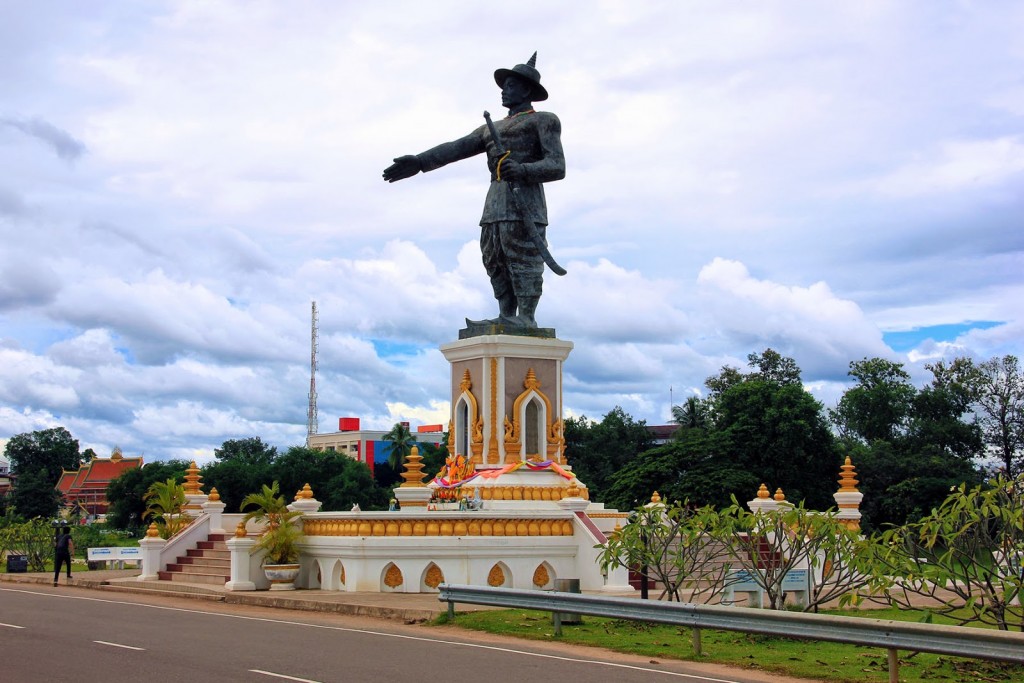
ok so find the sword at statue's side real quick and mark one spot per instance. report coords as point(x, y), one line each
point(531, 227)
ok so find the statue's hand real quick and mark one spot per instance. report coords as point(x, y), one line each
point(512, 171)
point(404, 167)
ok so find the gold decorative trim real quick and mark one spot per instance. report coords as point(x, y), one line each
point(513, 428)
point(434, 577)
point(192, 478)
point(608, 515)
point(393, 576)
point(413, 473)
point(848, 478)
point(435, 525)
point(493, 456)
point(496, 577)
point(476, 423)
point(541, 577)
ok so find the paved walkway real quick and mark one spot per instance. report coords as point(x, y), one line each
point(406, 607)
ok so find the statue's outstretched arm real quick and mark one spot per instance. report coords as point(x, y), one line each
point(404, 167)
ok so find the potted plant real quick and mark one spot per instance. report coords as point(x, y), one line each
point(281, 537)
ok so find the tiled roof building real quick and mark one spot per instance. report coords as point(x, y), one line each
point(86, 487)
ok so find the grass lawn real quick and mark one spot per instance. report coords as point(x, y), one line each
point(815, 660)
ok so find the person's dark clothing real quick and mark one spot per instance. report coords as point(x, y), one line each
point(63, 548)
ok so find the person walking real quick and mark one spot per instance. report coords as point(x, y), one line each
point(64, 550)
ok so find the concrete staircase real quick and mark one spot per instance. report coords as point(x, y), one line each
point(209, 562)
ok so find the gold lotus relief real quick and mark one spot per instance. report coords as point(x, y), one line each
point(393, 576)
point(496, 577)
point(434, 577)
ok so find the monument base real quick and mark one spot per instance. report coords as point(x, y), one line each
point(480, 328)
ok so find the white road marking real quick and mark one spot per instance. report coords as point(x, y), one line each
point(126, 647)
point(287, 678)
point(422, 639)
point(11, 626)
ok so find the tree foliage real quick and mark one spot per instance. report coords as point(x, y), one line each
point(126, 494)
point(597, 451)
point(281, 536)
point(53, 450)
point(698, 553)
point(909, 446)
point(1001, 402)
point(34, 495)
point(965, 556)
point(165, 505)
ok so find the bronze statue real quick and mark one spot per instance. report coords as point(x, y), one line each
point(523, 151)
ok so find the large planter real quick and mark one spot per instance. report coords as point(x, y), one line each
point(281, 576)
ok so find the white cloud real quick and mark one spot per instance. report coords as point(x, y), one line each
point(738, 177)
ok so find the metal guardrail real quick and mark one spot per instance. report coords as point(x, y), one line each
point(976, 643)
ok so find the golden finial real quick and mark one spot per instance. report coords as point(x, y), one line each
point(763, 492)
point(573, 491)
point(152, 531)
point(192, 480)
point(779, 496)
point(116, 454)
point(531, 381)
point(305, 493)
point(848, 477)
point(467, 383)
point(413, 474)
point(240, 530)
point(214, 496)
point(617, 530)
point(656, 497)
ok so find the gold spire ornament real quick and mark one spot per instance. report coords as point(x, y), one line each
point(848, 477)
point(413, 473)
point(192, 477)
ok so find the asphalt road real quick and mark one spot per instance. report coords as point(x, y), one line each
point(75, 635)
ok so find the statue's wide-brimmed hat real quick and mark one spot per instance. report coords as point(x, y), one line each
point(527, 72)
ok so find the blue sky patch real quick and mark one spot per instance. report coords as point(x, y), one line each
point(905, 340)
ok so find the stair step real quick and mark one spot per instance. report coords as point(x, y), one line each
point(212, 579)
point(200, 552)
point(212, 545)
point(185, 564)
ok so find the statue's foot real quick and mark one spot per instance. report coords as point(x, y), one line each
point(485, 321)
point(518, 321)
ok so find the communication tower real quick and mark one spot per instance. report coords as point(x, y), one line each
point(311, 418)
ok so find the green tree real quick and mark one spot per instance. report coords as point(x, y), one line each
point(35, 496)
point(126, 494)
point(597, 451)
point(692, 414)
point(434, 456)
point(402, 441)
point(53, 450)
point(878, 406)
point(769, 426)
point(337, 480)
point(251, 451)
point(165, 506)
point(240, 466)
point(281, 536)
point(965, 556)
point(1001, 399)
point(909, 446)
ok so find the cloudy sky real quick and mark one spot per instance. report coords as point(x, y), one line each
point(179, 180)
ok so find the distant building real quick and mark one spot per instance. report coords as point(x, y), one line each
point(86, 487)
point(6, 479)
point(661, 434)
point(367, 445)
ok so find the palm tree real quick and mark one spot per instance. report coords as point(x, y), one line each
point(166, 504)
point(693, 414)
point(402, 441)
